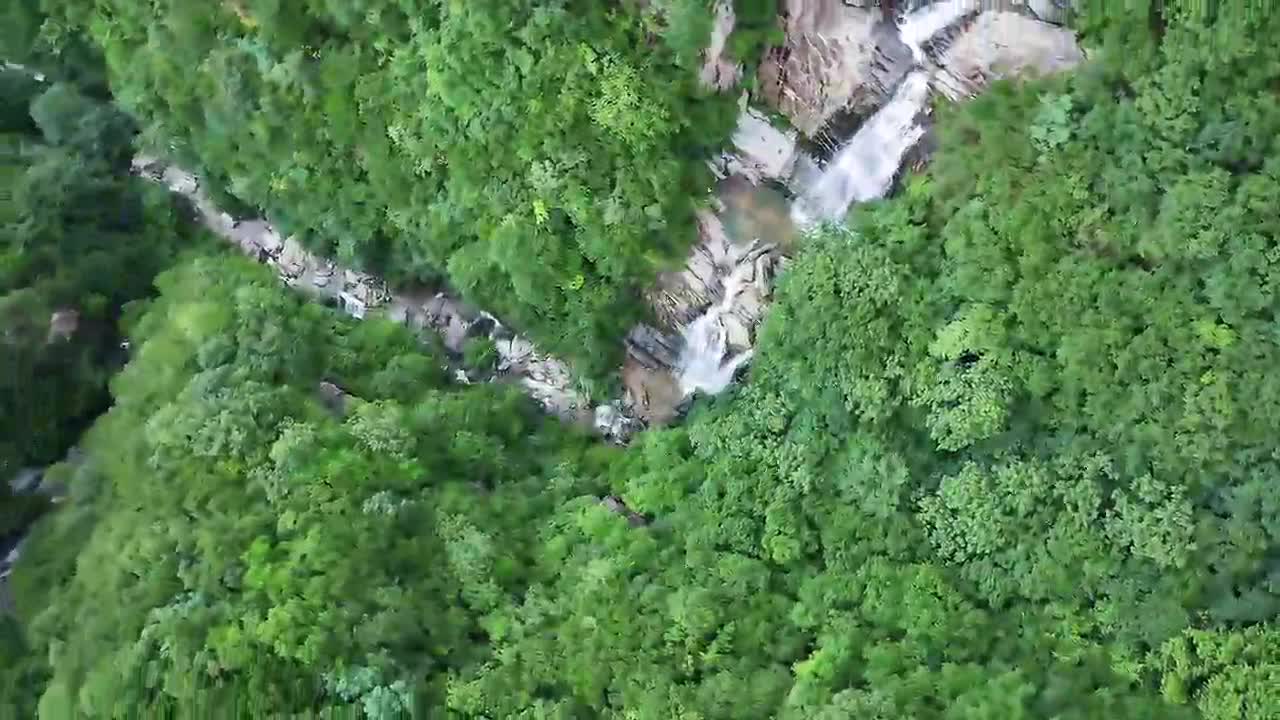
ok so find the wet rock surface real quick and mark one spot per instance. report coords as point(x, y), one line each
point(837, 59)
point(761, 151)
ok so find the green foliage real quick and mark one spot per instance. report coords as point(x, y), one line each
point(46, 36)
point(1051, 128)
point(1007, 451)
point(479, 353)
point(756, 28)
point(546, 157)
point(79, 236)
point(243, 535)
point(685, 26)
point(1001, 442)
point(1225, 674)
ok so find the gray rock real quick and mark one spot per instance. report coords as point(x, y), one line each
point(26, 481)
point(652, 394)
point(1051, 11)
point(651, 347)
point(63, 324)
point(719, 72)
point(762, 151)
point(615, 504)
point(334, 398)
point(1000, 45)
point(836, 59)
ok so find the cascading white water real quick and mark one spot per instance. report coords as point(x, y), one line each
point(864, 168)
point(703, 366)
point(917, 27)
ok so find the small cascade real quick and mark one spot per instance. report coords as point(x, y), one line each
point(706, 364)
point(865, 167)
point(917, 27)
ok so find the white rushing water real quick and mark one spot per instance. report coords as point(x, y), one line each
point(703, 365)
point(864, 168)
point(917, 27)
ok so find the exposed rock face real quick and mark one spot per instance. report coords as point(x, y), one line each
point(63, 324)
point(840, 60)
point(1051, 11)
point(26, 481)
point(681, 296)
point(719, 72)
point(651, 348)
point(999, 45)
point(715, 302)
point(655, 393)
point(616, 505)
point(761, 151)
point(837, 59)
point(334, 398)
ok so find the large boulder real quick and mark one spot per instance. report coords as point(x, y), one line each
point(999, 45)
point(760, 150)
point(719, 71)
point(653, 394)
point(837, 59)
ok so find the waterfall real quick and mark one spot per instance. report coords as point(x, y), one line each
point(702, 364)
point(917, 27)
point(864, 168)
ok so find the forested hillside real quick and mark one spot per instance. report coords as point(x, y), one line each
point(545, 157)
point(275, 519)
point(1006, 450)
point(81, 240)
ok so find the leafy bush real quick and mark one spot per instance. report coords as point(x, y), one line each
point(479, 353)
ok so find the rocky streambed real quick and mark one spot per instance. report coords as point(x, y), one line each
point(846, 98)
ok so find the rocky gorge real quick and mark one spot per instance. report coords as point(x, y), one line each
point(842, 105)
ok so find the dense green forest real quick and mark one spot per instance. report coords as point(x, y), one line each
point(544, 156)
point(79, 240)
point(1007, 448)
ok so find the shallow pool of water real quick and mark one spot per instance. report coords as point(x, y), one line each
point(756, 212)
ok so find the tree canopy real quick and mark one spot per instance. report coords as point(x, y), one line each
point(545, 156)
point(1006, 451)
point(79, 240)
